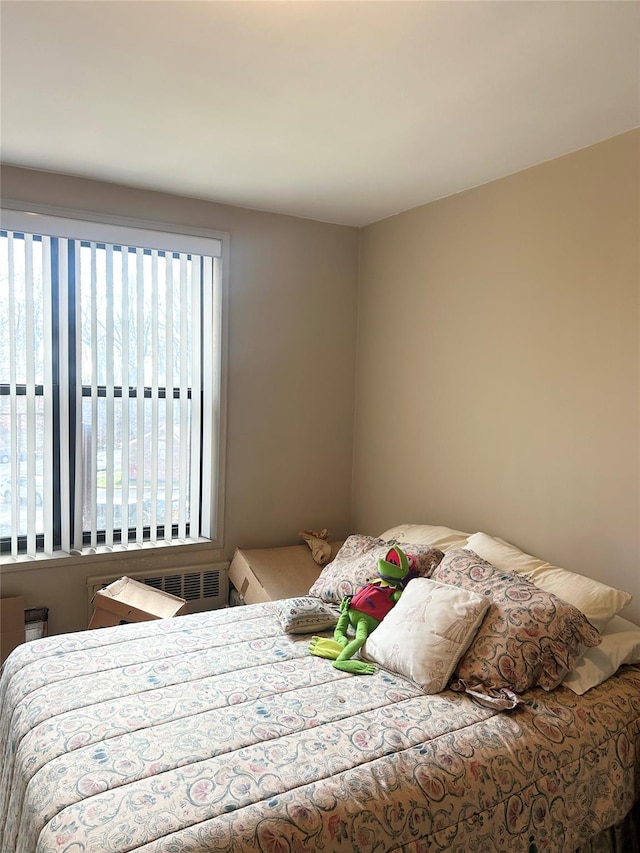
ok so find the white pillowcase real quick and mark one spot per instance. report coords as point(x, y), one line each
point(599, 602)
point(620, 644)
point(427, 632)
point(437, 536)
point(503, 555)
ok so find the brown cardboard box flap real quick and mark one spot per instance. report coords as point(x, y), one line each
point(11, 625)
point(267, 574)
point(128, 600)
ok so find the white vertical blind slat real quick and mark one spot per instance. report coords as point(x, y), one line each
point(184, 383)
point(109, 396)
point(210, 382)
point(30, 384)
point(63, 360)
point(13, 402)
point(90, 463)
point(125, 380)
point(169, 383)
point(200, 332)
point(140, 368)
point(78, 491)
point(153, 511)
point(47, 400)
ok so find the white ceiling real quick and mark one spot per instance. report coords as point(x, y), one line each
point(340, 111)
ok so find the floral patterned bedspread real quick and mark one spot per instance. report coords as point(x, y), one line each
point(218, 732)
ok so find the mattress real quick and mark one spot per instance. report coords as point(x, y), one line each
point(219, 732)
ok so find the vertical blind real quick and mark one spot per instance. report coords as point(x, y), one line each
point(110, 385)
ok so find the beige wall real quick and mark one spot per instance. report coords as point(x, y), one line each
point(291, 370)
point(498, 370)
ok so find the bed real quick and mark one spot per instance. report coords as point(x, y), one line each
point(220, 732)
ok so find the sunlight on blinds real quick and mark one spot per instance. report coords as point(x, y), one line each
point(25, 333)
point(107, 431)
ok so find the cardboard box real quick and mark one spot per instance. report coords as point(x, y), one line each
point(126, 600)
point(267, 574)
point(11, 625)
point(36, 623)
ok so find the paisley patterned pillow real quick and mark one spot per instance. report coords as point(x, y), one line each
point(356, 563)
point(528, 637)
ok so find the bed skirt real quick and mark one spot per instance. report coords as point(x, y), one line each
point(624, 837)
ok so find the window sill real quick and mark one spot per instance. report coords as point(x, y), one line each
point(132, 553)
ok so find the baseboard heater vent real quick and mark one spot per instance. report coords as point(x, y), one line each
point(203, 590)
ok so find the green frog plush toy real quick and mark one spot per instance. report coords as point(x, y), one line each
point(364, 611)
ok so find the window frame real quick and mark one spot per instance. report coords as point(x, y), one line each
point(80, 225)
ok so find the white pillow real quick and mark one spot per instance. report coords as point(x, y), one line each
point(427, 632)
point(503, 555)
point(620, 644)
point(599, 602)
point(437, 536)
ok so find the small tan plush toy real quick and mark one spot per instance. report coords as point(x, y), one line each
point(317, 541)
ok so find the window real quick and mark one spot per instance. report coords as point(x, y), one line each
point(111, 391)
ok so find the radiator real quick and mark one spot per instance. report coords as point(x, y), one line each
point(205, 589)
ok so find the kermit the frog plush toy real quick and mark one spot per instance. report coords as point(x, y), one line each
point(364, 611)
